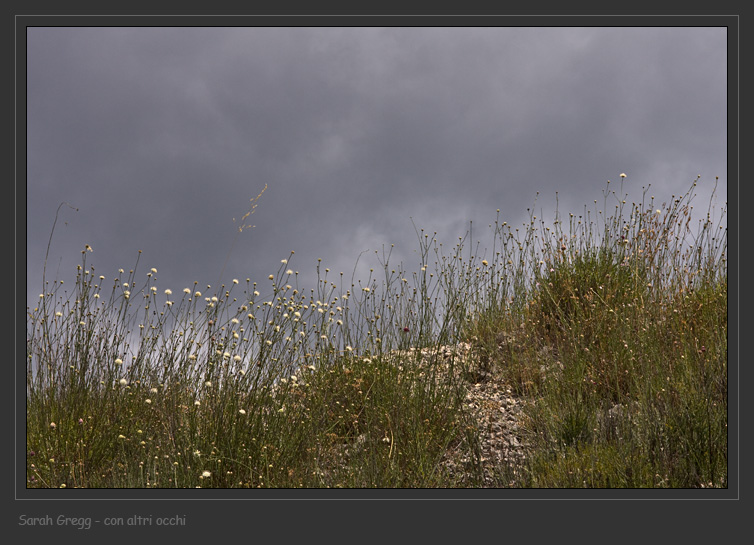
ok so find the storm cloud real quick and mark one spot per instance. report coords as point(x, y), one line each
point(161, 137)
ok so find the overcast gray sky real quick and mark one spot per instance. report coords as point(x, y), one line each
point(161, 136)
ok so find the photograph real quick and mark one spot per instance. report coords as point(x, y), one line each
point(373, 259)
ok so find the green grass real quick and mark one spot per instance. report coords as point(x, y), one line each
point(613, 325)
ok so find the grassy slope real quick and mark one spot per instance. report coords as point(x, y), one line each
point(617, 330)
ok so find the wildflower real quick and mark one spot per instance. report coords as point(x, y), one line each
point(235, 280)
point(196, 403)
point(242, 412)
point(122, 382)
point(206, 474)
point(349, 349)
point(367, 290)
point(148, 401)
point(59, 314)
point(208, 384)
point(81, 420)
point(226, 355)
point(484, 262)
point(622, 175)
point(289, 271)
point(88, 248)
point(658, 211)
point(198, 294)
point(284, 261)
point(214, 299)
point(126, 294)
point(186, 290)
point(63, 485)
point(118, 361)
point(153, 289)
point(53, 425)
point(121, 436)
point(121, 271)
point(236, 358)
point(192, 357)
point(153, 390)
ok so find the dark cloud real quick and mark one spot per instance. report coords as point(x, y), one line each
point(161, 136)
